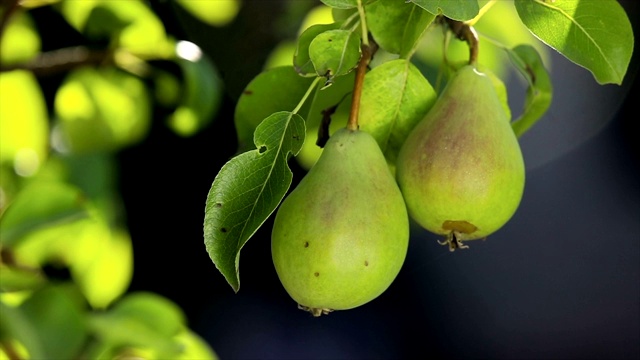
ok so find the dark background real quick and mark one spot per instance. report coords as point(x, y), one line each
point(560, 280)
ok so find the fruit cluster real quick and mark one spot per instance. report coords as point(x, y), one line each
point(341, 236)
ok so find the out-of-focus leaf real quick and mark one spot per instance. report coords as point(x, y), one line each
point(335, 53)
point(341, 4)
point(20, 40)
point(17, 327)
point(248, 189)
point(202, 91)
point(19, 279)
point(36, 3)
point(57, 320)
point(24, 128)
point(102, 264)
point(132, 22)
point(141, 319)
point(397, 26)
point(215, 13)
point(461, 10)
point(101, 110)
point(395, 97)
point(595, 34)
point(195, 347)
point(39, 205)
point(280, 55)
point(277, 89)
point(540, 90)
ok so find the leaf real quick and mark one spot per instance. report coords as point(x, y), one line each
point(102, 109)
point(335, 53)
point(15, 325)
point(595, 34)
point(395, 97)
point(259, 100)
point(397, 26)
point(341, 4)
point(539, 92)
point(49, 308)
point(20, 39)
point(461, 10)
point(301, 60)
point(40, 205)
point(248, 189)
point(141, 319)
point(24, 122)
point(202, 93)
point(18, 279)
point(215, 13)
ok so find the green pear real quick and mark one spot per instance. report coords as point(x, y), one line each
point(340, 238)
point(461, 169)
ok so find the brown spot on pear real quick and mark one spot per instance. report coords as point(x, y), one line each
point(461, 169)
point(350, 208)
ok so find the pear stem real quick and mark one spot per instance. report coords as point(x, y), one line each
point(367, 53)
point(467, 33)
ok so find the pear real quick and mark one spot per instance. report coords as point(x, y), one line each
point(340, 238)
point(461, 169)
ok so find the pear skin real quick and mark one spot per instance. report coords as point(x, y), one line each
point(461, 169)
point(340, 238)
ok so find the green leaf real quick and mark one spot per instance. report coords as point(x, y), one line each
point(102, 109)
point(301, 60)
point(341, 4)
point(15, 325)
point(39, 205)
point(215, 13)
point(277, 89)
point(397, 26)
point(248, 189)
point(335, 53)
point(18, 279)
point(49, 308)
point(395, 97)
point(20, 39)
point(141, 319)
point(595, 34)
point(540, 90)
point(24, 138)
point(461, 10)
point(202, 94)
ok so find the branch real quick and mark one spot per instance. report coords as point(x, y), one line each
point(361, 71)
point(62, 60)
point(466, 33)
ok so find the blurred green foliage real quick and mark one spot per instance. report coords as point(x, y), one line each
point(59, 206)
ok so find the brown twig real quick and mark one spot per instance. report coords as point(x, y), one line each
point(62, 60)
point(466, 33)
point(361, 71)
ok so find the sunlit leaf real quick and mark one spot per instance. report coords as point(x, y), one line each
point(195, 347)
point(141, 319)
point(539, 91)
point(24, 122)
point(135, 25)
point(46, 310)
point(202, 94)
point(341, 4)
point(39, 205)
point(397, 26)
point(461, 10)
point(20, 40)
point(595, 34)
point(395, 97)
point(248, 189)
point(215, 13)
point(101, 110)
point(335, 53)
point(301, 59)
point(259, 100)
point(102, 264)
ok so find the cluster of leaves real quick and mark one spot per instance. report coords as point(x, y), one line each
point(59, 206)
point(315, 79)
